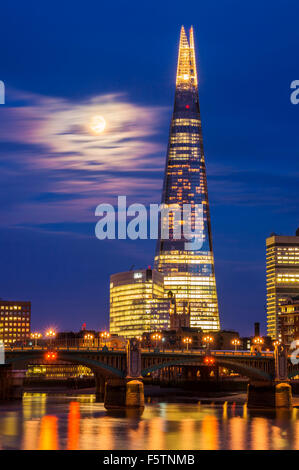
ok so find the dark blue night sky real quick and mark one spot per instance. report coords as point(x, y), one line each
point(63, 63)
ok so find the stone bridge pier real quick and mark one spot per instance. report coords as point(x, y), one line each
point(100, 385)
point(129, 391)
point(276, 393)
point(5, 382)
point(11, 383)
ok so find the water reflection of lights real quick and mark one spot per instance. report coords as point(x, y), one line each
point(48, 433)
point(34, 405)
point(39, 424)
point(156, 434)
point(137, 434)
point(259, 434)
point(224, 414)
point(31, 431)
point(209, 433)
point(187, 433)
point(10, 424)
point(237, 431)
point(73, 426)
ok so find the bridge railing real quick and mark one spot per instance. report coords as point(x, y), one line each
point(203, 352)
point(242, 353)
point(60, 348)
point(191, 352)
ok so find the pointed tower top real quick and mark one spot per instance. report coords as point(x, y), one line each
point(186, 71)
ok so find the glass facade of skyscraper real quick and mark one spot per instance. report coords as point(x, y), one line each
point(188, 274)
point(282, 254)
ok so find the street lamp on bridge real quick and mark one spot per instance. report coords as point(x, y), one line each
point(258, 340)
point(104, 336)
point(50, 334)
point(257, 343)
point(208, 340)
point(187, 340)
point(89, 338)
point(156, 337)
point(35, 336)
point(236, 342)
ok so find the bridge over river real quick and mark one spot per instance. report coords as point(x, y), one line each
point(134, 363)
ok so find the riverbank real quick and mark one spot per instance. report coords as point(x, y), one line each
point(155, 393)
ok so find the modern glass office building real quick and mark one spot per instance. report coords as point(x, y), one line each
point(282, 256)
point(137, 303)
point(188, 274)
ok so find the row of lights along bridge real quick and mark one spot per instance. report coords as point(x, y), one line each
point(157, 340)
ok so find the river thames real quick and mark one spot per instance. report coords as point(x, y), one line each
point(48, 422)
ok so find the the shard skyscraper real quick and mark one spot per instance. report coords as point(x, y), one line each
point(188, 274)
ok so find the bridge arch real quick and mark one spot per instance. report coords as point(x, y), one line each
point(244, 369)
point(93, 364)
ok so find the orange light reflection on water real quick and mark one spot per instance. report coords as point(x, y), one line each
point(40, 424)
point(237, 431)
point(73, 426)
point(187, 433)
point(156, 434)
point(48, 433)
point(209, 433)
point(259, 434)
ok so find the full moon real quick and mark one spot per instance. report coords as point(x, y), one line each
point(97, 124)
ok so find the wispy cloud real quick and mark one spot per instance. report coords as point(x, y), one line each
point(233, 187)
point(55, 170)
point(63, 170)
point(63, 127)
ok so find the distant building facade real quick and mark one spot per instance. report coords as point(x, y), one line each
point(15, 319)
point(179, 313)
point(58, 371)
point(223, 339)
point(174, 339)
point(288, 320)
point(248, 343)
point(137, 303)
point(87, 339)
point(282, 254)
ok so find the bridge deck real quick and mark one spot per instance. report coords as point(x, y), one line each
point(192, 352)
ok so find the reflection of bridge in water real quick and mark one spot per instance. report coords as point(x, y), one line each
point(108, 365)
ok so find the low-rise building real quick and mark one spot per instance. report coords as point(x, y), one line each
point(88, 339)
point(223, 339)
point(289, 321)
point(174, 339)
point(15, 319)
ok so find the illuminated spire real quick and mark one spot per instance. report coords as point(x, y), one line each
point(186, 70)
point(192, 58)
point(188, 274)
